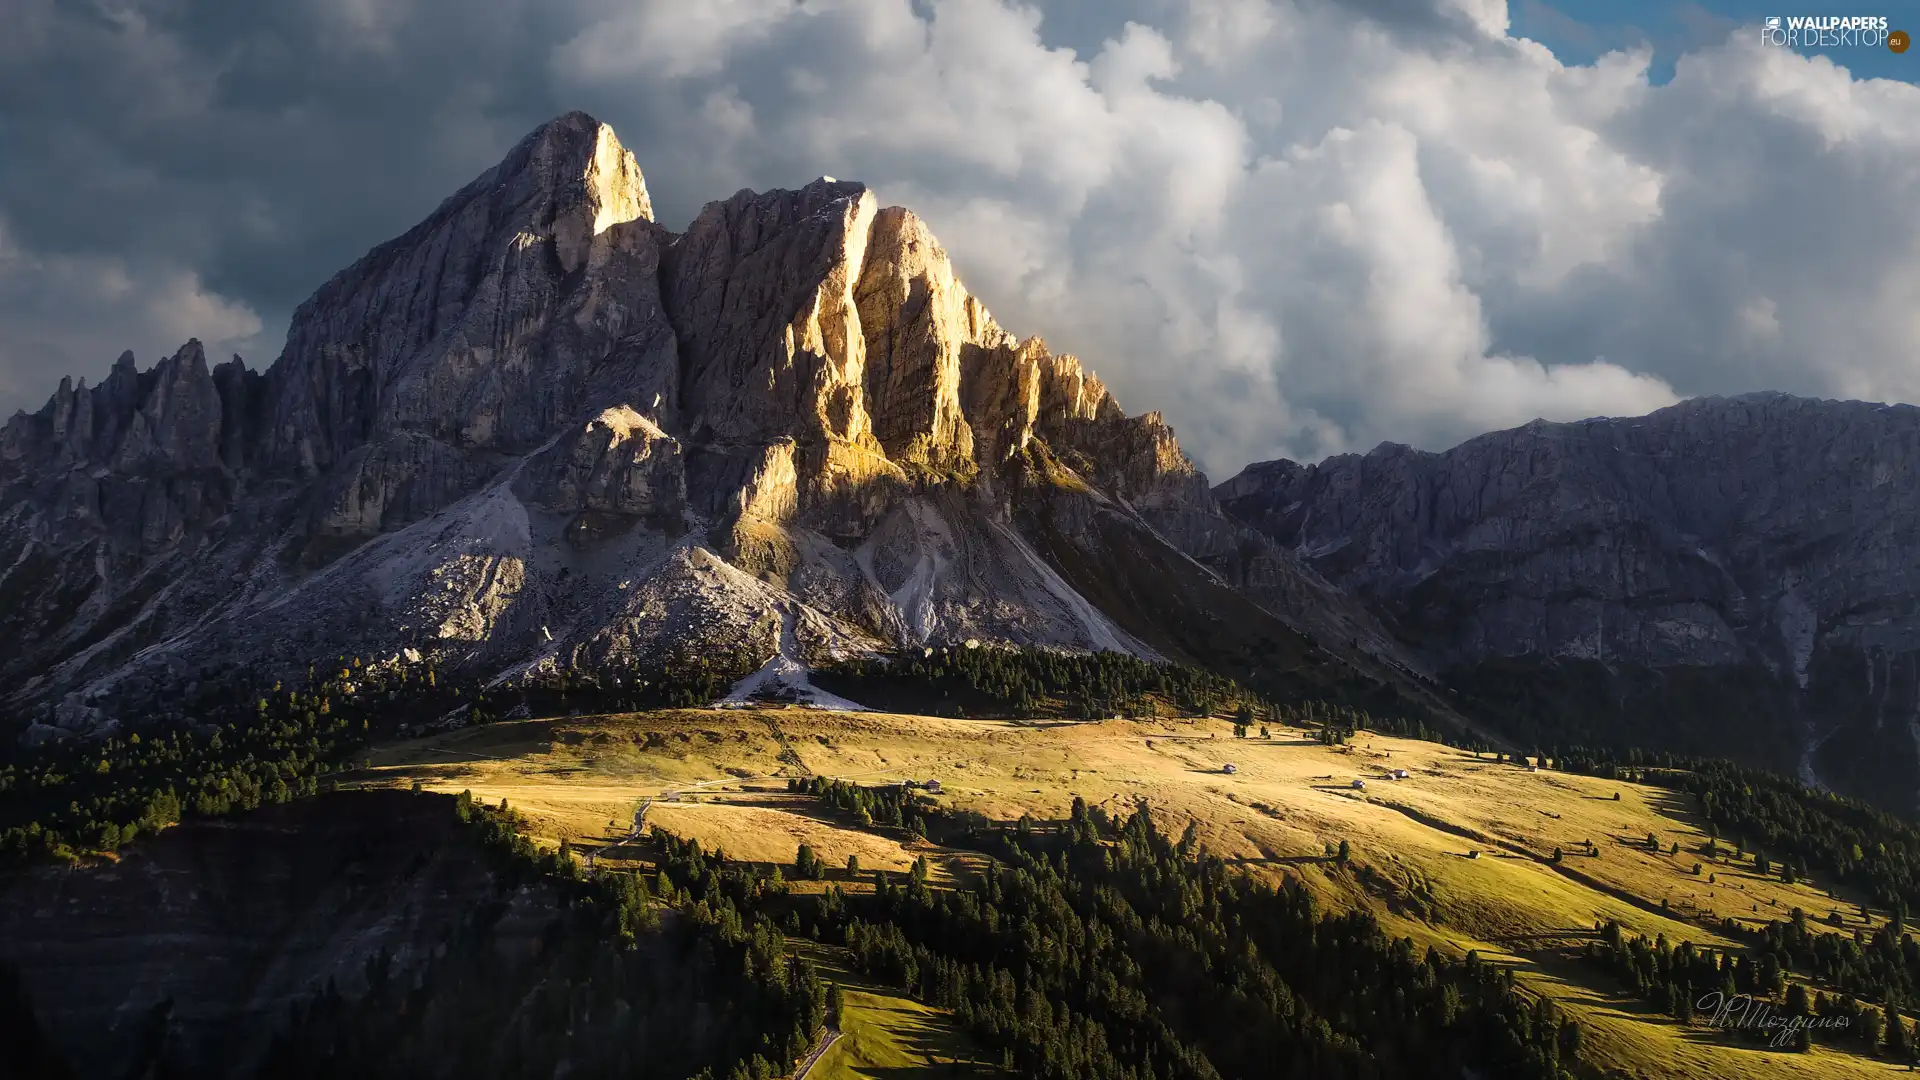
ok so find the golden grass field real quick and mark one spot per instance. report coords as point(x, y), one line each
point(581, 779)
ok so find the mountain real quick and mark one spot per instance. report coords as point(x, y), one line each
point(1728, 575)
point(541, 432)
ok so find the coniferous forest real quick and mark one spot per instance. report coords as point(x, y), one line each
point(1089, 948)
point(276, 740)
point(1094, 947)
point(710, 990)
point(1104, 949)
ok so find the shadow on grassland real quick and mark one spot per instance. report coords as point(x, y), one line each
point(890, 1036)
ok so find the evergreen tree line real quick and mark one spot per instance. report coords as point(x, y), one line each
point(1106, 950)
point(1702, 985)
point(1882, 966)
point(1793, 827)
point(1024, 683)
point(893, 805)
point(76, 796)
point(686, 680)
point(595, 984)
point(261, 741)
point(239, 749)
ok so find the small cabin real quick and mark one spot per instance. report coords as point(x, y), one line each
point(1473, 854)
point(1229, 769)
point(932, 786)
point(1399, 774)
point(1359, 785)
point(1533, 768)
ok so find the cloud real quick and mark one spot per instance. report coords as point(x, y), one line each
point(63, 312)
point(1296, 227)
point(1273, 222)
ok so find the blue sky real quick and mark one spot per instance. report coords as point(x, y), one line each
point(1579, 30)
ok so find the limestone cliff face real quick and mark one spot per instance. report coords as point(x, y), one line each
point(540, 430)
point(1764, 533)
point(919, 322)
point(527, 297)
point(762, 289)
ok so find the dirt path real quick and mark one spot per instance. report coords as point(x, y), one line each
point(807, 1063)
point(788, 755)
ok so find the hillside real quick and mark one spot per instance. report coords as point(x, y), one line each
point(1288, 802)
point(1615, 897)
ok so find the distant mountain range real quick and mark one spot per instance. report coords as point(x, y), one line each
point(1729, 576)
point(540, 432)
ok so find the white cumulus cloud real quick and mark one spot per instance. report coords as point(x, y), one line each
point(1296, 227)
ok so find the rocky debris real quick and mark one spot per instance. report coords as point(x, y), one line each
point(539, 431)
point(784, 678)
point(617, 463)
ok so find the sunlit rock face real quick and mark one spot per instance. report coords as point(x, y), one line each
point(540, 430)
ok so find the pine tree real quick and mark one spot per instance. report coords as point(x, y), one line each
point(1899, 1045)
point(1797, 1002)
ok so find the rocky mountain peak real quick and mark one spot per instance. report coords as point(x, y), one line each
point(528, 296)
point(577, 149)
point(539, 430)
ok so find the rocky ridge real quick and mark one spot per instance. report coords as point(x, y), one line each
point(541, 431)
point(1753, 557)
